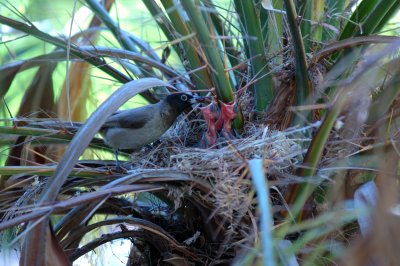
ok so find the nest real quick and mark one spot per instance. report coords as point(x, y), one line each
point(224, 166)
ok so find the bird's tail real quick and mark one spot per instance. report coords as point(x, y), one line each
point(71, 127)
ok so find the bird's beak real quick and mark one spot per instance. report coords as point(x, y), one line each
point(198, 99)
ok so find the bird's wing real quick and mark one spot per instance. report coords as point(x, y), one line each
point(132, 118)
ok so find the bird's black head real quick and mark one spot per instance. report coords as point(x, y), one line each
point(180, 101)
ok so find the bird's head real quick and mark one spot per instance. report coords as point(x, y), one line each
point(181, 101)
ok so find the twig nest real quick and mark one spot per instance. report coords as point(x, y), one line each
point(225, 165)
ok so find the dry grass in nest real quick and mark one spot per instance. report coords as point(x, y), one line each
point(224, 166)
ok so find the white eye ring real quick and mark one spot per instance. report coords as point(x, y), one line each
point(184, 97)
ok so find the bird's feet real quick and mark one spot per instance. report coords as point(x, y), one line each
point(118, 165)
point(120, 168)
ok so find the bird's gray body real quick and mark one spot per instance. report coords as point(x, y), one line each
point(134, 128)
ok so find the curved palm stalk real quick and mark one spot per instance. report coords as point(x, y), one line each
point(14, 67)
point(47, 209)
point(147, 236)
point(10, 141)
point(72, 154)
point(145, 225)
point(49, 135)
point(83, 213)
point(338, 46)
point(162, 176)
point(28, 131)
point(49, 171)
point(144, 47)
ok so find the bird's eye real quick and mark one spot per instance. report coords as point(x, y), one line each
point(184, 97)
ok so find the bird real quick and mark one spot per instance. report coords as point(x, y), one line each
point(134, 128)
